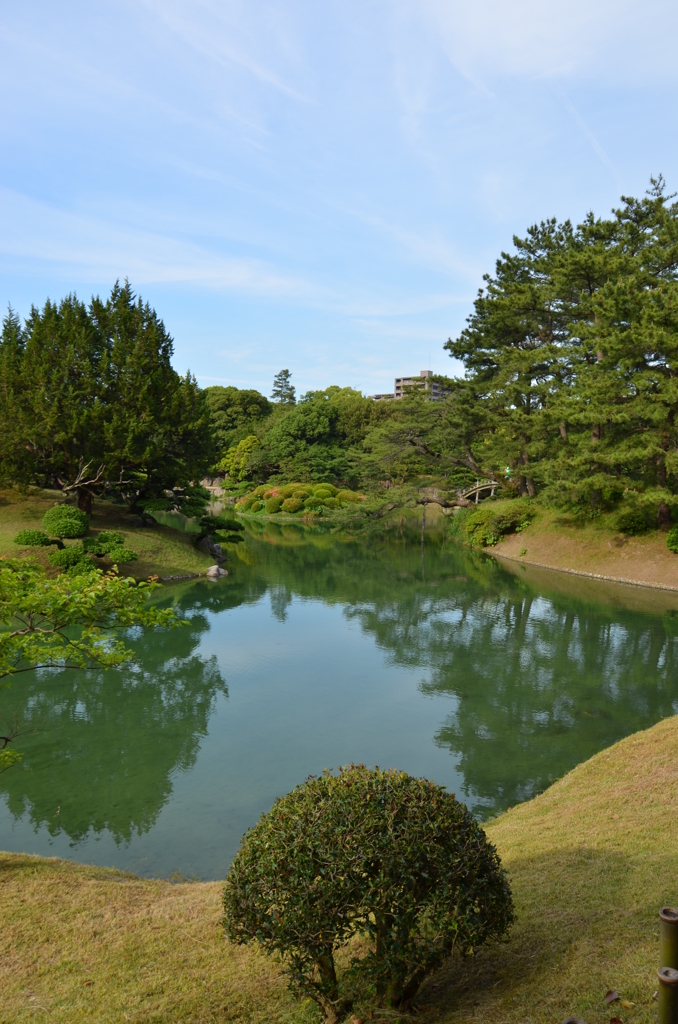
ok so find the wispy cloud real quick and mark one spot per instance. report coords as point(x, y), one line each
point(93, 250)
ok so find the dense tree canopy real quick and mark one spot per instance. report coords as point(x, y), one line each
point(89, 400)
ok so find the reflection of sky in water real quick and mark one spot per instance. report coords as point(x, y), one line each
point(315, 656)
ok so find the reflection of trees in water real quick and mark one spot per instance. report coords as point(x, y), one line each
point(540, 685)
point(536, 684)
point(103, 747)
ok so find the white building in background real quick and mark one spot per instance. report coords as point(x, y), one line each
point(403, 385)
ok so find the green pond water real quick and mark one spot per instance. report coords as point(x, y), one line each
point(317, 651)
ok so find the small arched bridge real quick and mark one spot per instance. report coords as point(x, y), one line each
point(481, 489)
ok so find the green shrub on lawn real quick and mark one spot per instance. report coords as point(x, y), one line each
point(65, 521)
point(672, 540)
point(273, 505)
point(330, 502)
point(33, 539)
point(377, 853)
point(67, 558)
point(632, 521)
point(347, 495)
point(324, 490)
point(301, 493)
point(256, 506)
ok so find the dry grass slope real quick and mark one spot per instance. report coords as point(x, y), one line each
point(591, 861)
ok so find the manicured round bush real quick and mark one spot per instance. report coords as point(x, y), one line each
point(104, 542)
point(256, 506)
point(68, 557)
point(313, 502)
point(672, 539)
point(395, 858)
point(301, 493)
point(122, 554)
point(325, 490)
point(273, 505)
point(65, 521)
point(632, 521)
point(291, 505)
point(32, 539)
point(347, 495)
point(261, 490)
point(331, 503)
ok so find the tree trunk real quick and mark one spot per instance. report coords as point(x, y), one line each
point(522, 487)
point(664, 516)
point(84, 501)
point(596, 432)
point(563, 430)
point(531, 489)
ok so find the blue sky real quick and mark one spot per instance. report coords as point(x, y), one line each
point(318, 186)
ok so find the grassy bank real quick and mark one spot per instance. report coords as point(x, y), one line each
point(560, 540)
point(591, 860)
point(162, 550)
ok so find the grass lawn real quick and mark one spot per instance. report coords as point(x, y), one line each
point(591, 861)
point(161, 550)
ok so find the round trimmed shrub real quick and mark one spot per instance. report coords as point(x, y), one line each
point(301, 493)
point(273, 505)
point(291, 505)
point(632, 521)
point(32, 539)
point(394, 858)
point(121, 555)
point(347, 495)
point(313, 502)
point(68, 557)
point(331, 502)
point(325, 490)
point(256, 506)
point(672, 540)
point(65, 521)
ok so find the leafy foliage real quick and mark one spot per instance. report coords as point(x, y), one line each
point(486, 525)
point(672, 540)
point(33, 539)
point(68, 558)
point(367, 852)
point(65, 521)
point(234, 413)
point(68, 622)
point(236, 461)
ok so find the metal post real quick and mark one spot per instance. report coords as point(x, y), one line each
point(668, 937)
point(667, 996)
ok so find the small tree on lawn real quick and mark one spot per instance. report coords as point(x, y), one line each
point(374, 852)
